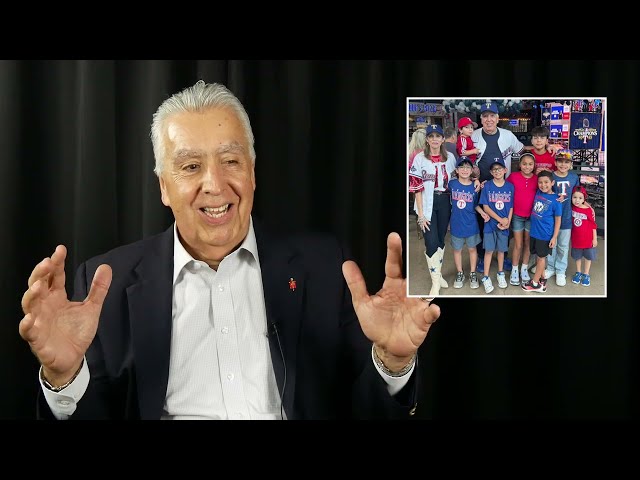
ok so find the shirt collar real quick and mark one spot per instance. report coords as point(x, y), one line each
point(181, 257)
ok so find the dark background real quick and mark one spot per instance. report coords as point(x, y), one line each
point(76, 168)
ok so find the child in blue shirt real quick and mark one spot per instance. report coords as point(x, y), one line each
point(497, 202)
point(463, 225)
point(546, 214)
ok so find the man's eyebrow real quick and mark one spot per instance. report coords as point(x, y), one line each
point(233, 147)
point(187, 153)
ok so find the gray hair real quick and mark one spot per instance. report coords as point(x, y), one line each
point(197, 98)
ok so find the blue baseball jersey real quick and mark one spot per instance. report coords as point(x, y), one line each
point(500, 200)
point(564, 185)
point(463, 215)
point(545, 208)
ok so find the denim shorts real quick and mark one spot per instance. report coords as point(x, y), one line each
point(587, 253)
point(457, 242)
point(496, 241)
point(519, 223)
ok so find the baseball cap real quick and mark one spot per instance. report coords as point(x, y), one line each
point(464, 121)
point(462, 160)
point(581, 189)
point(489, 107)
point(497, 160)
point(564, 154)
point(434, 128)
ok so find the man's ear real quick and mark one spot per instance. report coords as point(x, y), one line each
point(163, 192)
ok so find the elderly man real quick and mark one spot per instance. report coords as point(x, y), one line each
point(217, 318)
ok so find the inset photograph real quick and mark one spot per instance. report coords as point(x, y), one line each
point(506, 197)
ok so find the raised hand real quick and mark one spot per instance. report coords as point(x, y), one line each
point(396, 324)
point(59, 331)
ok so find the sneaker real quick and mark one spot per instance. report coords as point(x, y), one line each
point(549, 273)
point(586, 280)
point(543, 282)
point(524, 275)
point(577, 278)
point(459, 281)
point(502, 281)
point(507, 265)
point(473, 280)
point(561, 279)
point(515, 277)
point(529, 287)
point(488, 286)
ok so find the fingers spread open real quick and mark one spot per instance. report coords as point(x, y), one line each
point(431, 313)
point(355, 281)
point(57, 278)
point(393, 264)
point(34, 295)
point(41, 270)
point(26, 327)
point(100, 285)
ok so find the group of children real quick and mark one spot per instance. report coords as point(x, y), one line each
point(542, 203)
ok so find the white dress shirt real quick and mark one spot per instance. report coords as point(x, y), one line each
point(220, 363)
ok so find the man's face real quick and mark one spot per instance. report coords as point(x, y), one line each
point(208, 181)
point(489, 122)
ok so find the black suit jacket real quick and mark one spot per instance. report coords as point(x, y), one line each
point(327, 358)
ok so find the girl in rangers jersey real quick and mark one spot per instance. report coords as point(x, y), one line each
point(429, 177)
point(584, 236)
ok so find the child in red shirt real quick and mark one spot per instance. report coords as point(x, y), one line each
point(544, 159)
point(584, 236)
point(464, 144)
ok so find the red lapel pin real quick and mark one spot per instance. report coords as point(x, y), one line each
point(292, 284)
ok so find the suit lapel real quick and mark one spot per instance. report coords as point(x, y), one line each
point(283, 280)
point(150, 301)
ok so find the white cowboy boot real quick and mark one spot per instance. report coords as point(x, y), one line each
point(443, 282)
point(434, 270)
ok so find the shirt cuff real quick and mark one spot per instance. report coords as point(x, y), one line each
point(64, 402)
point(394, 384)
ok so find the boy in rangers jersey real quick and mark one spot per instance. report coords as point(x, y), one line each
point(584, 236)
point(543, 157)
point(545, 224)
point(564, 183)
point(464, 228)
point(497, 201)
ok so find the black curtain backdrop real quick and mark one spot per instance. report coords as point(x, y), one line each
point(77, 169)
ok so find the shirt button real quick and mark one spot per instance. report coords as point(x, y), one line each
point(225, 330)
point(63, 403)
point(231, 376)
point(221, 288)
point(196, 265)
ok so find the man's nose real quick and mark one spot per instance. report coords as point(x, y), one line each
point(212, 179)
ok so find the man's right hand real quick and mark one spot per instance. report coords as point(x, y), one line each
point(59, 332)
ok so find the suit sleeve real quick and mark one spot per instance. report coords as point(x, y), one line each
point(369, 396)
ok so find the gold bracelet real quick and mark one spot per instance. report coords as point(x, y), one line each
point(61, 387)
point(384, 368)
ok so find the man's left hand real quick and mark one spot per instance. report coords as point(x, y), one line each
point(395, 323)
